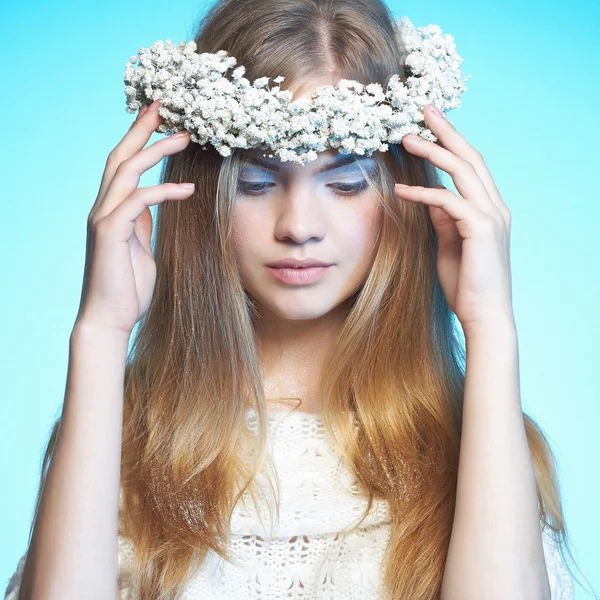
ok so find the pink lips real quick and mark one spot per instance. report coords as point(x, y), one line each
point(299, 276)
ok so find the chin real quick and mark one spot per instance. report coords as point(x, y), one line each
point(296, 311)
point(302, 314)
point(305, 305)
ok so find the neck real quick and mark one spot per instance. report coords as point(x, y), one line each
point(292, 355)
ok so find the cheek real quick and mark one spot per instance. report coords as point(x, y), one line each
point(362, 227)
point(247, 230)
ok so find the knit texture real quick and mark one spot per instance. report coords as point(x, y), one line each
point(303, 555)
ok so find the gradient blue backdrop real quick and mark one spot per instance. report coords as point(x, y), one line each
point(531, 110)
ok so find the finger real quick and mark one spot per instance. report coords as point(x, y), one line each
point(445, 226)
point(133, 141)
point(453, 141)
point(448, 136)
point(127, 175)
point(141, 112)
point(463, 173)
point(466, 214)
point(121, 221)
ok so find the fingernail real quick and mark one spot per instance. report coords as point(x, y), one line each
point(402, 185)
point(154, 105)
point(180, 134)
point(413, 137)
point(435, 111)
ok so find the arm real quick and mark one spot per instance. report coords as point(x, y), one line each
point(496, 544)
point(73, 549)
point(125, 560)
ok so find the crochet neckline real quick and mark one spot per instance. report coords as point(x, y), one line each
point(292, 411)
point(290, 417)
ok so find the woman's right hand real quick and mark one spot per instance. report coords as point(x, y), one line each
point(120, 272)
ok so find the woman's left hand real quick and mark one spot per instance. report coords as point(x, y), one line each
point(473, 230)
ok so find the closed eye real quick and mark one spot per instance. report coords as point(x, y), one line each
point(350, 189)
point(339, 188)
point(253, 189)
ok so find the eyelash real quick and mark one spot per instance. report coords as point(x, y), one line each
point(245, 188)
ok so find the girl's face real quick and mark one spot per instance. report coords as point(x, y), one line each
point(324, 211)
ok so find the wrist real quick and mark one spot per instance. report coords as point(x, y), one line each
point(495, 328)
point(91, 330)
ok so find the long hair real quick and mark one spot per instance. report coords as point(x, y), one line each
point(391, 397)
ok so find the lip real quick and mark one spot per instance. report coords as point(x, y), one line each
point(300, 275)
point(294, 262)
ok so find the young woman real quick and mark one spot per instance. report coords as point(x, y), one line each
point(297, 434)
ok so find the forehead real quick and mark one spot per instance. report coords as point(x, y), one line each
point(326, 161)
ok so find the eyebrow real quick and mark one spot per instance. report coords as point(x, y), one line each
point(335, 164)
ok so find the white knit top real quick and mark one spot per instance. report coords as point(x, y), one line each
point(303, 556)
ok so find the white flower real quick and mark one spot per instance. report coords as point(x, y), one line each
point(238, 72)
point(196, 95)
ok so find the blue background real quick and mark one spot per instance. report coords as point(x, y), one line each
point(531, 110)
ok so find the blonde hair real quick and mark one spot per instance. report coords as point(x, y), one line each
point(394, 389)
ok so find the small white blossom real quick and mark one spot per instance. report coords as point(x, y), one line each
point(232, 113)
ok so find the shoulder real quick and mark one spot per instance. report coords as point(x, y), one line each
point(561, 582)
point(125, 562)
point(14, 584)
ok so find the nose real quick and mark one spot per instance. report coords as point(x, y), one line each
point(300, 216)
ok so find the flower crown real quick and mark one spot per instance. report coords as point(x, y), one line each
point(231, 113)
